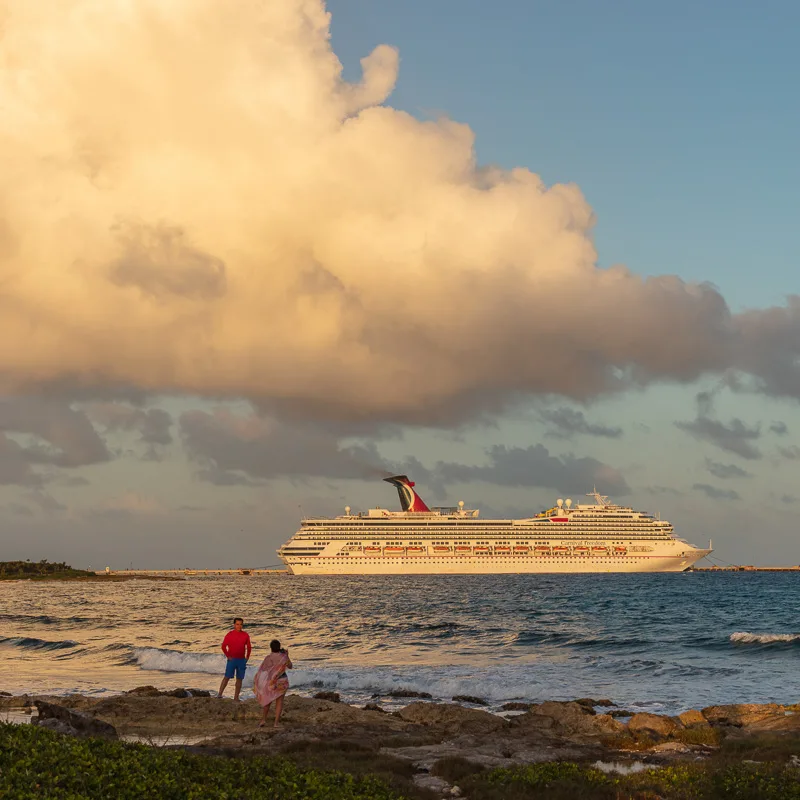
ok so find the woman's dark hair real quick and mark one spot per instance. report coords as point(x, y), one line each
point(275, 646)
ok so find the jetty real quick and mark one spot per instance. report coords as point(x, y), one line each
point(169, 573)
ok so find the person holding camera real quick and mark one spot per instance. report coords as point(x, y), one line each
point(271, 683)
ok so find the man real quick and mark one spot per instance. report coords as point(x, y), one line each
point(236, 646)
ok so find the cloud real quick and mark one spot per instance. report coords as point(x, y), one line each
point(715, 493)
point(735, 438)
point(790, 453)
point(535, 466)
point(195, 202)
point(778, 427)
point(568, 421)
point(725, 471)
point(234, 449)
point(789, 499)
point(153, 425)
point(45, 433)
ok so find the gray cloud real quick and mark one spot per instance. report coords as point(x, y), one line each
point(45, 433)
point(153, 425)
point(232, 449)
point(791, 453)
point(725, 471)
point(535, 466)
point(735, 438)
point(568, 422)
point(778, 427)
point(789, 499)
point(715, 493)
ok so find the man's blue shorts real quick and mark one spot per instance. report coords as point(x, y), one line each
point(237, 665)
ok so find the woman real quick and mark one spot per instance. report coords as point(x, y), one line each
point(270, 682)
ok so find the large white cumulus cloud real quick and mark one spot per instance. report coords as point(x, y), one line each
point(193, 200)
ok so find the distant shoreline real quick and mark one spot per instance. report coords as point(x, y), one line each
point(99, 578)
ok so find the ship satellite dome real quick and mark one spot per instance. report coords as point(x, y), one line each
point(347, 509)
point(559, 502)
point(569, 502)
point(461, 504)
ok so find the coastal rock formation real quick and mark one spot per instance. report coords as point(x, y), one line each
point(75, 723)
point(570, 721)
point(653, 725)
point(693, 719)
point(753, 717)
point(452, 718)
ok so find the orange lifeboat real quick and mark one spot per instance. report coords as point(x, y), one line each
point(620, 551)
point(415, 551)
point(394, 551)
point(502, 550)
point(580, 551)
point(522, 549)
point(561, 550)
point(463, 548)
point(482, 550)
point(372, 551)
point(599, 551)
point(541, 550)
point(441, 549)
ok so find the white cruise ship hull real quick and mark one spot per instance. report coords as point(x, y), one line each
point(489, 565)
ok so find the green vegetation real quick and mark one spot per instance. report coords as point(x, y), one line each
point(40, 570)
point(566, 781)
point(37, 763)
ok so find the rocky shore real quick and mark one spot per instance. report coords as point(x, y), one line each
point(423, 737)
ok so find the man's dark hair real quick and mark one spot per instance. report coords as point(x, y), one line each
point(275, 646)
point(238, 619)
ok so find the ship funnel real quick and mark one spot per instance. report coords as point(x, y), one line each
point(409, 499)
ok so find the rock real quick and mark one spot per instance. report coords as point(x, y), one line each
point(374, 707)
point(199, 693)
point(58, 726)
point(431, 783)
point(452, 718)
point(455, 791)
point(653, 725)
point(670, 747)
point(145, 691)
point(515, 706)
point(588, 701)
point(748, 715)
point(567, 720)
point(468, 698)
point(619, 712)
point(405, 693)
point(5, 694)
point(80, 724)
point(332, 696)
point(693, 719)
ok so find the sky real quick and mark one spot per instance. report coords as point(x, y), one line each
point(255, 257)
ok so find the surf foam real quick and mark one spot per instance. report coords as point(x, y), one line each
point(742, 637)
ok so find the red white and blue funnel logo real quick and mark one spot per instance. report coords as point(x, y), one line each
point(409, 499)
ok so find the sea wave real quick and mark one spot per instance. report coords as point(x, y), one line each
point(742, 637)
point(32, 643)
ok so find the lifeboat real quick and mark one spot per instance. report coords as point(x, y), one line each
point(620, 551)
point(372, 551)
point(394, 551)
point(561, 550)
point(441, 549)
point(599, 551)
point(541, 550)
point(463, 548)
point(580, 551)
point(415, 551)
point(502, 550)
point(483, 550)
point(521, 548)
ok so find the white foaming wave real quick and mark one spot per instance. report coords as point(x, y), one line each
point(763, 638)
point(162, 660)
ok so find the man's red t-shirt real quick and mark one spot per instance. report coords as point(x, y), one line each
point(236, 644)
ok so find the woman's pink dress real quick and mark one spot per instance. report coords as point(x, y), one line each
point(270, 681)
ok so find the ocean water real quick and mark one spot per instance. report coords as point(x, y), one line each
point(663, 643)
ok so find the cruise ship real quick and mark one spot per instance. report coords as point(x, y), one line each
point(418, 540)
